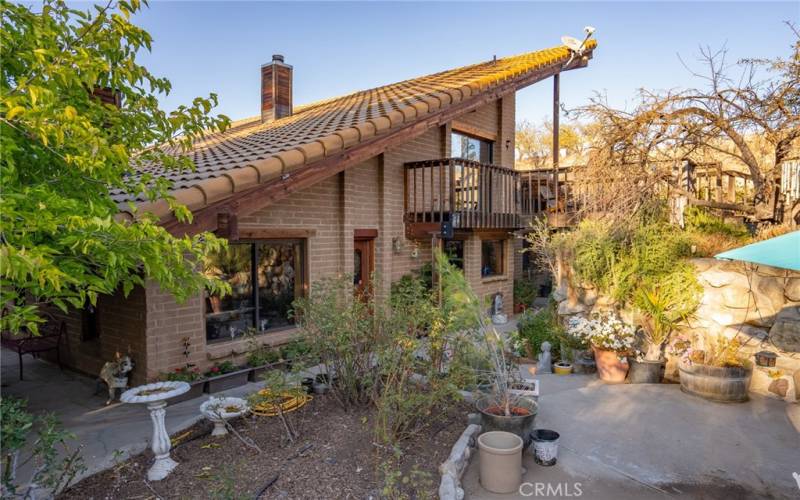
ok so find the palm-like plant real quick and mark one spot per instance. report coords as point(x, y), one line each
point(661, 307)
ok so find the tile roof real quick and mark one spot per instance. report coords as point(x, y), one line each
point(251, 152)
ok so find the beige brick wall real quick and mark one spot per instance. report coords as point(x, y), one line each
point(485, 288)
point(121, 325)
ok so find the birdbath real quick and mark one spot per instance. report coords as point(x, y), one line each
point(155, 395)
point(218, 410)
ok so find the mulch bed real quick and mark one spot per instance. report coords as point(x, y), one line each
point(334, 457)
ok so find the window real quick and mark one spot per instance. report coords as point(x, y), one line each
point(470, 148)
point(454, 249)
point(89, 329)
point(265, 278)
point(492, 258)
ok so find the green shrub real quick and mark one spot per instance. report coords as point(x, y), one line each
point(54, 464)
point(535, 328)
point(344, 333)
point(262, 356)
point(416, 353)
point(295, 350)
point(221, 368)
point(700, 220)
point(524, 292)
point(595, 247)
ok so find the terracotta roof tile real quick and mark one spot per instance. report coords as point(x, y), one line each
point(252, 152)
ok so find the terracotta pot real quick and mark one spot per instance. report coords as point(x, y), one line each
point(610, 368)
point(500, 461)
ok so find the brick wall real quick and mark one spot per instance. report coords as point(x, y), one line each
point(367, 196)
point(485, 288)
point(120, 322)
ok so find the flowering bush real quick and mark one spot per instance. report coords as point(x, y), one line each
point(188, 373)
point(604, 331)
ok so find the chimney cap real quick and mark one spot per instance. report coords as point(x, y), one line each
point(277, 57)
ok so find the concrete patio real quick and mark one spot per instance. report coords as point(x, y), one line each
point(103, 431)
point(617, 441)
point(653, 441)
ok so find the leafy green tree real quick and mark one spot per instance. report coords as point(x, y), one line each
point(64, 152)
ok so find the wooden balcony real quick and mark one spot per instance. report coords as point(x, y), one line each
point(468, 194)
point(539, 197)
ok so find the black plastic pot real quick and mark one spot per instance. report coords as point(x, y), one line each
point(645, 371)
point(521, 425)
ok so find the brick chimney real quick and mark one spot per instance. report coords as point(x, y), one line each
point(276, 89)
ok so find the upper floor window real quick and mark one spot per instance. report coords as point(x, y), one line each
point(470, 148)
point(265, 277)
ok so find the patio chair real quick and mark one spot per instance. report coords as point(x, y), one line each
point(49, 339)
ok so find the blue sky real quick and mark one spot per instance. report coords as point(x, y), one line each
point(338, 47)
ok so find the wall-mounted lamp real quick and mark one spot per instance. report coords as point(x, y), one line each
point(397, 246)
point(508, 143)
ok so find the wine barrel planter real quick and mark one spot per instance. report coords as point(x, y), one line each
point(721, 384)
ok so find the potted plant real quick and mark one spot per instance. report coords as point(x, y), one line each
point(611, 340)
point(189, 374)
point(259, 356)
point(533, 329)
point(225, 375)
point(717, 372)
point(660, 307)
point(502, 406)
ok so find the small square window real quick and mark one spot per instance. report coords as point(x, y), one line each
point(492, 258)
point(454, 250)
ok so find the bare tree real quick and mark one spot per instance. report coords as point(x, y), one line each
point(733, 113)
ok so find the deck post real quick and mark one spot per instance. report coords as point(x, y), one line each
point(556, 86)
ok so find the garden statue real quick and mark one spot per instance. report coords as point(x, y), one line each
point(545, 364)
point(498, 318)
point(115, 375)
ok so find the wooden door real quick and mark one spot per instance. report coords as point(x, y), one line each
point(363, 265)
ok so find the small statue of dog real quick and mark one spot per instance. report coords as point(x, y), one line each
point(115, 375)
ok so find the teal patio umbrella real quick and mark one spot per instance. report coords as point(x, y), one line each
point(781, 251)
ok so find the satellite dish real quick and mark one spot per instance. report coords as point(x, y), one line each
point(572, 43)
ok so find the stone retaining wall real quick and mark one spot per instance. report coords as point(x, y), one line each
point(759, 305)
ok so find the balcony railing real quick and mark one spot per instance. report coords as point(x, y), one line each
point(468, 194)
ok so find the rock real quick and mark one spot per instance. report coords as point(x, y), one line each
point(703, 264)
point(589, 296)
point(605, 301)
point(745, 333)
point(792, 290)
point(736, 297)
point(560, 293)
point(564, 308)
point(779, 387)
point(768, 291)
point(717, 278)
point(774, 383)
point(785, 332)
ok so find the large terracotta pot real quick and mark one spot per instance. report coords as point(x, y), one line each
point(610, 368)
